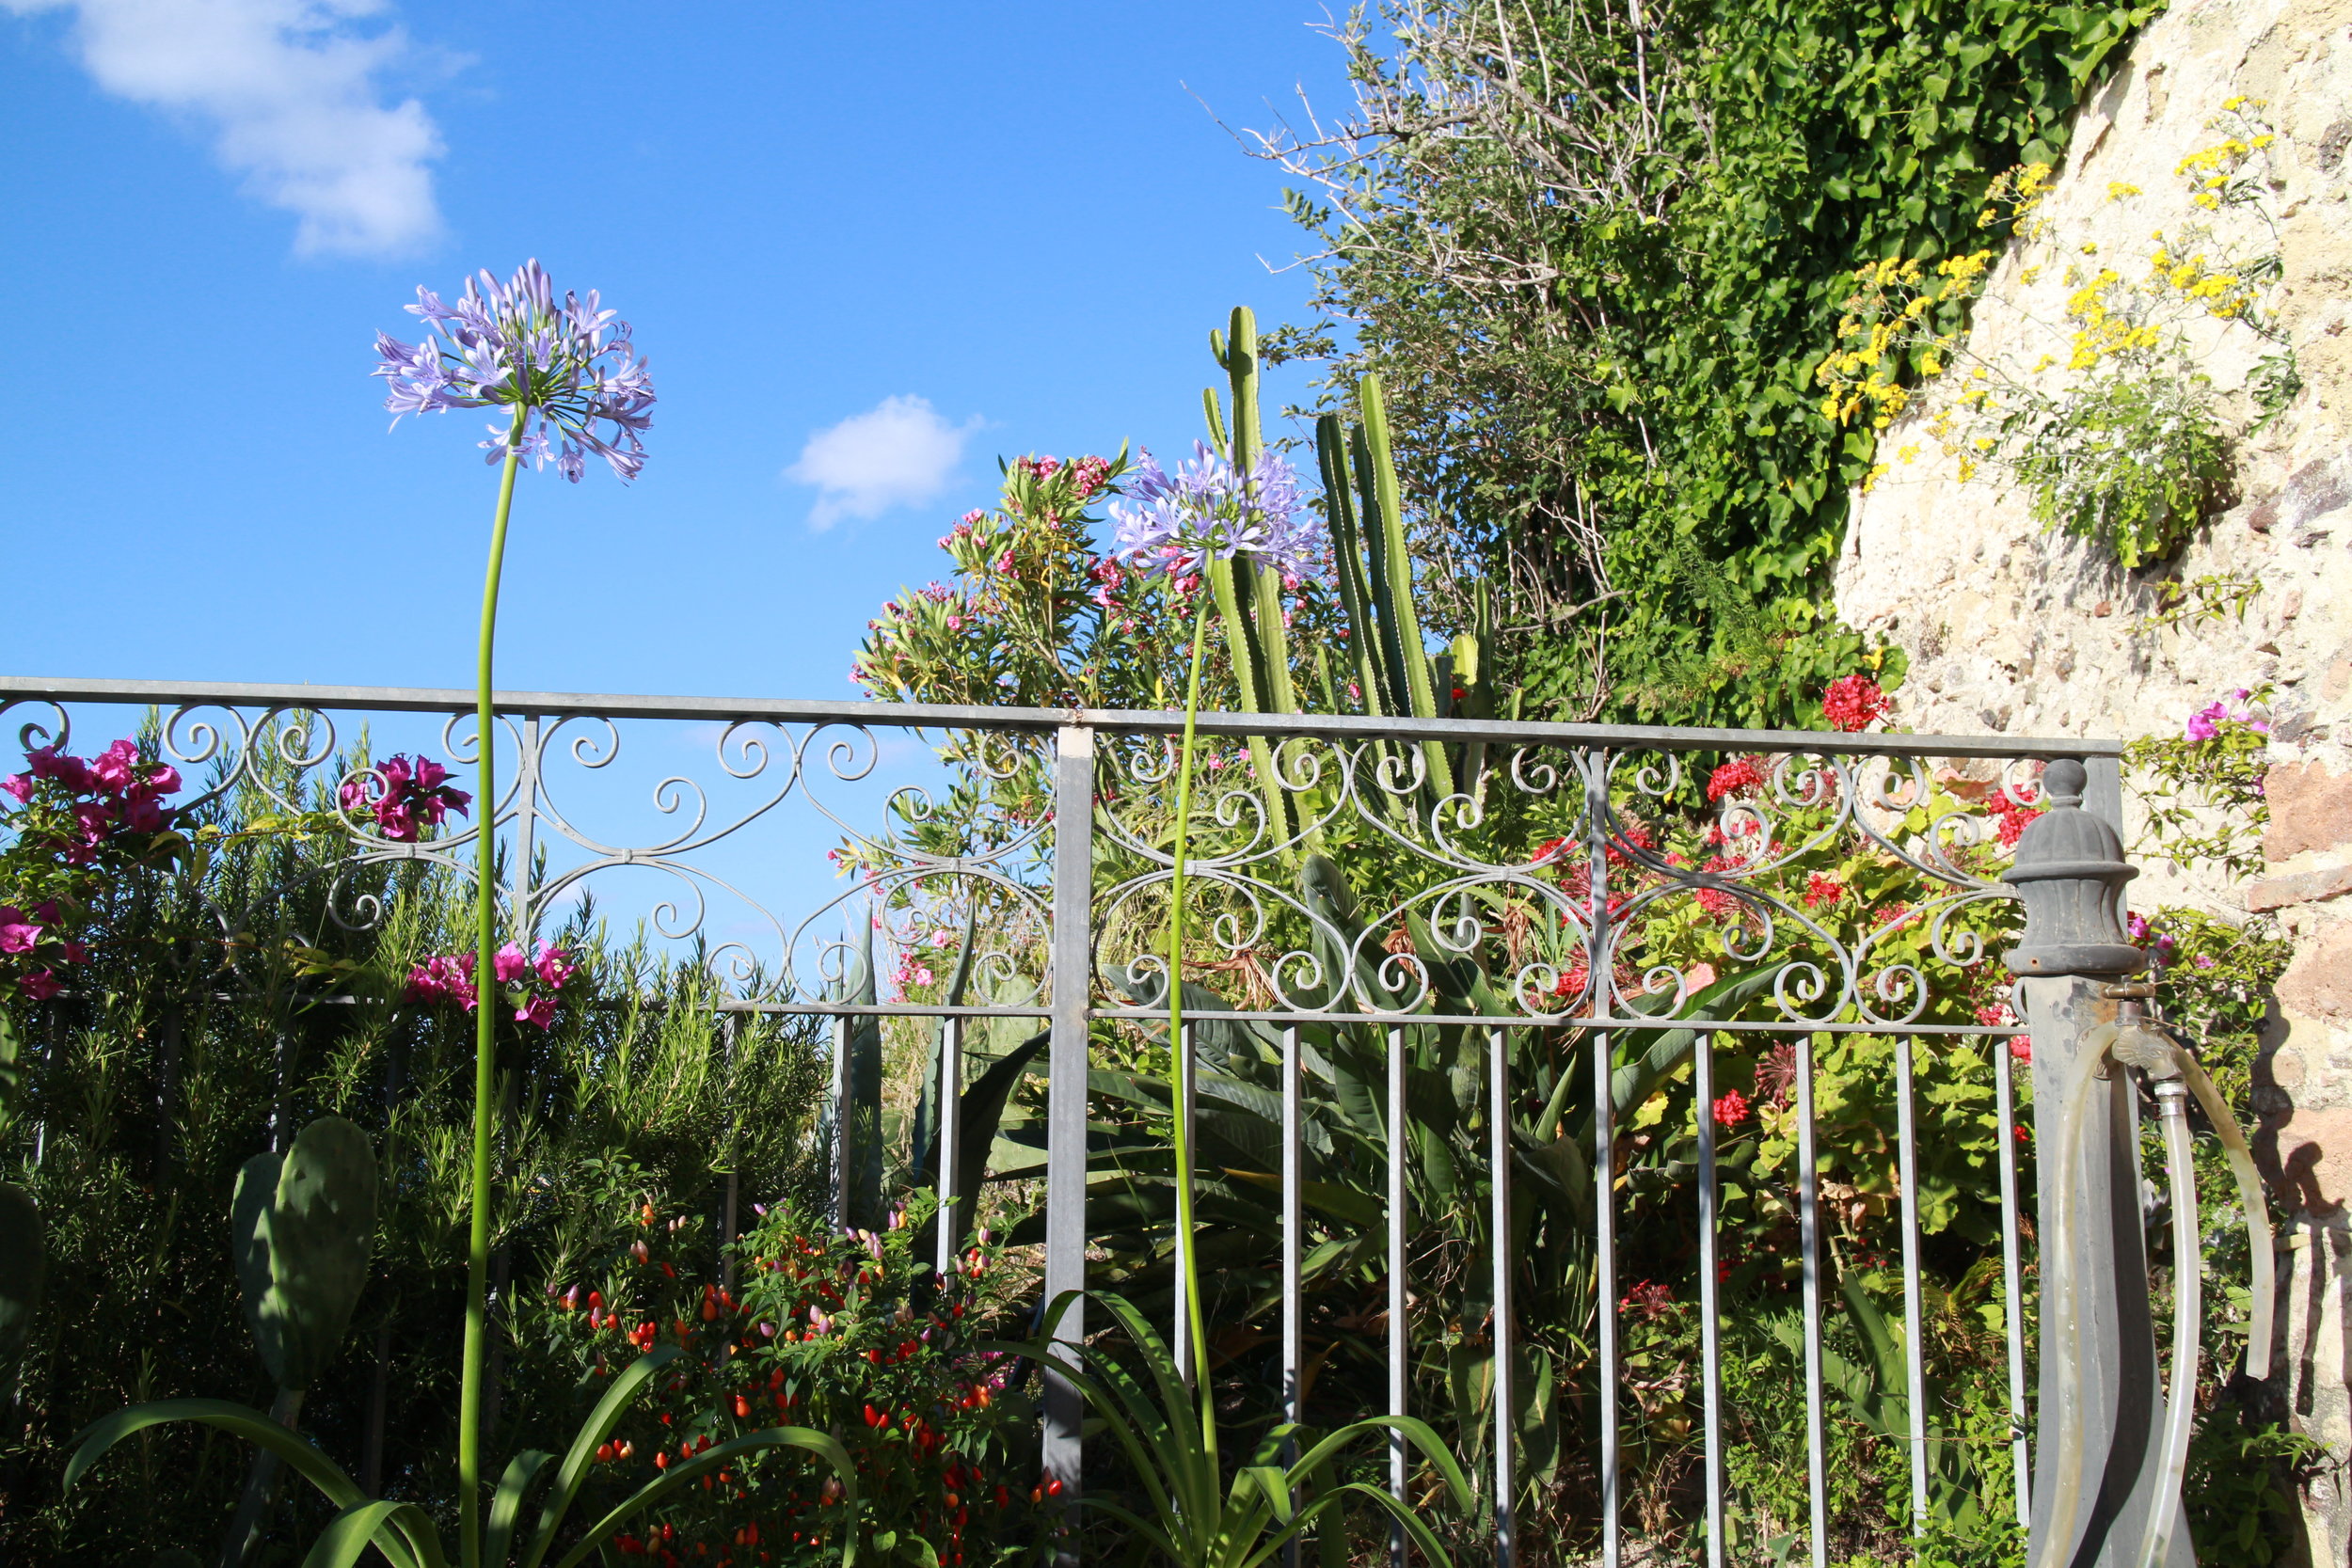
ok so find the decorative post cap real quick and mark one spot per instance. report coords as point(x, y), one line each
point(2070, 873)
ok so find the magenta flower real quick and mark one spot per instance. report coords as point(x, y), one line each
point(554, 966)
point(404, 796)
point(40, 985)
point(510, 964)
point(567, 369)
point(539, 1012)
point(17, 934)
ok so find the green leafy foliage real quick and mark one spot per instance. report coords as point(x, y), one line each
point(849, 1333)
point(1599, 300)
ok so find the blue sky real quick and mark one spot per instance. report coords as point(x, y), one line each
point(1016, 213)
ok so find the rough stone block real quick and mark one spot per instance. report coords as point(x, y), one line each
point(2310, 809)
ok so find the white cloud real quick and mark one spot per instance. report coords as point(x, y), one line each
point(900, 453)
point(290, 92)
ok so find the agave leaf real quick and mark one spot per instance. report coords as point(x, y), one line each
point(378, 1524)
point(582, 1454)
point(506, 1504)
point(242, 1420)
point(680, 1476)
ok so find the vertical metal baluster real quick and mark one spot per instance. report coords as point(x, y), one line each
point(1499, 1139)
point(1065, 1088)
point(1914, 1366)
point(730, 1027)
point(1605, 1250)
point(2013, 1305)
point(840, 1154)
point(1294, 1236)
point(1809, 1243)
point(1184, 1105)
point(1710, 1328)
point(526, 827)
point(1399, 1149)
point(1294, 1254)
point(950, 1102)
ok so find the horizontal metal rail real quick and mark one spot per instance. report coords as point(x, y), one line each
point(402, 699)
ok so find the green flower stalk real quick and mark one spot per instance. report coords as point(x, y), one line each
point(561, 370)
point(1180, 524)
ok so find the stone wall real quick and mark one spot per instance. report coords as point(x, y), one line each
point(2015, 631)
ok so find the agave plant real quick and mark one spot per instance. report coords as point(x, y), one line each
point(1198, 1519)
point(404, 1533)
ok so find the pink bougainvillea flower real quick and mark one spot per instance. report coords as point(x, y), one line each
point(554, 966)
point(73, 953)
point(510, 965)
point(1853, 703)
point(538, 1012)
point(17, 934)
point(73, 772)
point(20, 786)
point(115, 768)
point(40, 985)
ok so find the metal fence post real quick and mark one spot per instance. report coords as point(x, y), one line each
point(2101, 1406)
point(1066, 1086)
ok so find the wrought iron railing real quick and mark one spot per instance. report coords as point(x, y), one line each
point(1528, 849)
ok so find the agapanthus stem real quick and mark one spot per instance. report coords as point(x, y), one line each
point(1195, 1323)
point(484, 1031)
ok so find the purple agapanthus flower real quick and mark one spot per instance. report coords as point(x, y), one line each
point(1176, 524)
point(572, 367)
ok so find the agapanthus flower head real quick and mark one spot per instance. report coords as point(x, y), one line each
point(571, 368)
point(1174, 524)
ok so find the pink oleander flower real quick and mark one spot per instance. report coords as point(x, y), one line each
point(1853, 703)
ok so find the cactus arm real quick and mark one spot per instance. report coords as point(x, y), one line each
point(1241, 366)
point(1346, 552)
point(1393, 554)
point(1216, 415)
point(1381, 623)
point(1393, 576)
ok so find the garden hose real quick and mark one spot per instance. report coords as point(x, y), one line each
point(2164, 1503)
point(2181, 1075)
